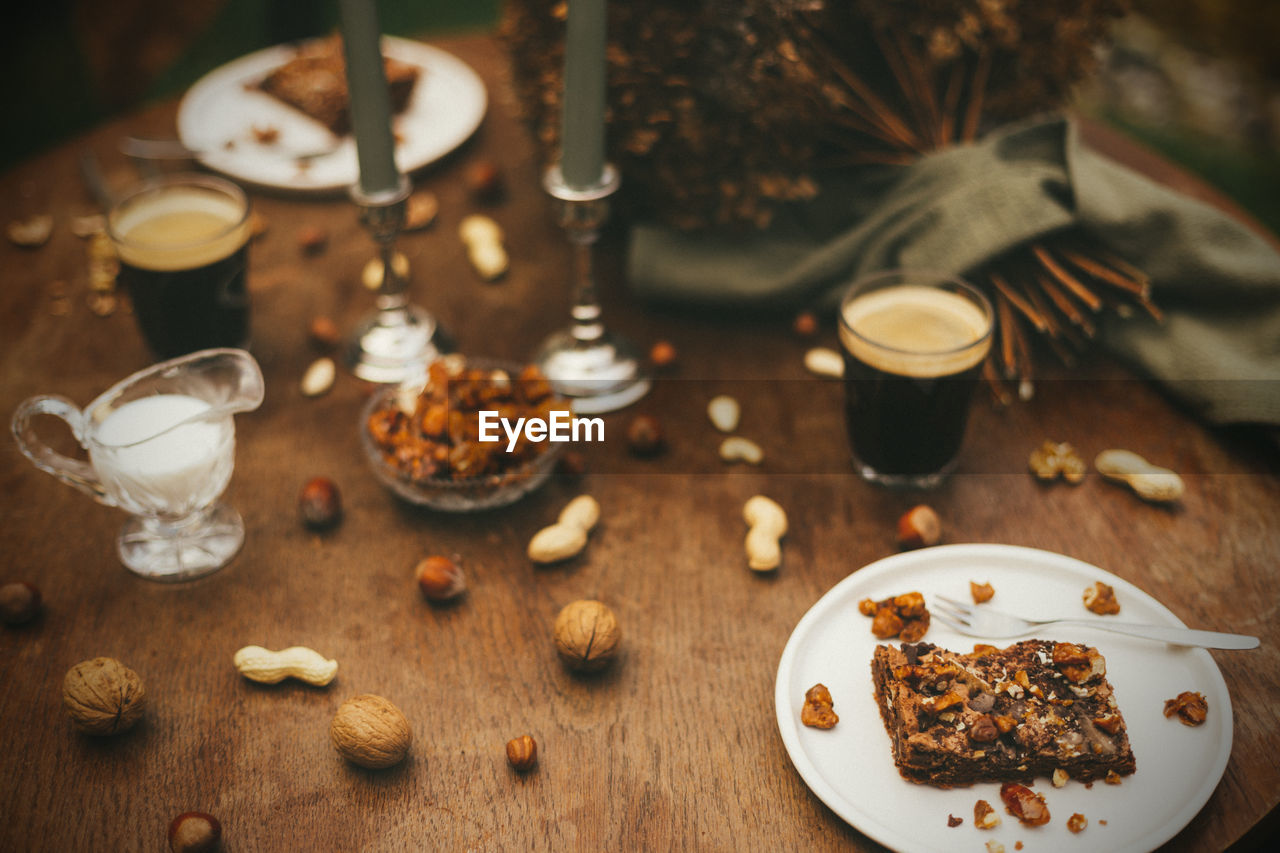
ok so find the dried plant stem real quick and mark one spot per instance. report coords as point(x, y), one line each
point(1104, 273)
point(1084, 294)
point(1018, 302)
point(973, 112)
point(950, 103)
point(999, 394)
point(1064, 304)
point(1008, 354)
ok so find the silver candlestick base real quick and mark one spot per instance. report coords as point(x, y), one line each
point(398, 339)
point(596, 369)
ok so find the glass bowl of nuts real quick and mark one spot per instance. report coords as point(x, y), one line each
point(423, 442)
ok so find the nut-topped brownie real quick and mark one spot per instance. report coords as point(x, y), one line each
point(315, 82)
point(999, 714)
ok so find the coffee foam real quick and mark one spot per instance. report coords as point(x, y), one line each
point(179, 228)
point(913, 330)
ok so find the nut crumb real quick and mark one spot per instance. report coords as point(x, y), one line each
point(904, 616)
point(994, 846)
point(32, 232)
point(1017, 845)
point(981, 592)
point(1059, 778)
point(268, 135)
point(819, 711)
point(984, 815)
point(1077, 822)
point(1112, 778)
point(1054, 459)
point(1102, 822)
point(954, 821)
point(1101, 599)
point(1191, 708)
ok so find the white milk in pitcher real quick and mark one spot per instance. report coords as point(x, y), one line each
point(153, 465)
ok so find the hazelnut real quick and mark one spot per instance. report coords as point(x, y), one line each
point(103, 696)
point(522, 753)
point(983, 729)
point(312, 239)
point(663, 355)
point(320, 504)
point(194, 832)
point(370, 731)
point(919, 527)
point(586, 634)
point(484, 181)
point(805, 325)
point(644, 435)
point(19, 603)
point(324, 333)
point(440, 578)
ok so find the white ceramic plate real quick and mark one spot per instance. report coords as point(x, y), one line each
point(447, 105)
point(850, 767)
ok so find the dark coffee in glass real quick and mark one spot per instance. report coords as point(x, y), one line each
point(914, 343)
point(183, 247)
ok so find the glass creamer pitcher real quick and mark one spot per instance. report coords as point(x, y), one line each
point(161, 447)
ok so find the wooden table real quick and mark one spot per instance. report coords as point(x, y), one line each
point(676, 745)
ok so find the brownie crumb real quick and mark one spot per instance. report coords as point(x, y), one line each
point(952, 820)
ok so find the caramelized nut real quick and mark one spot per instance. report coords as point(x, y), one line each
point(910, 605)
point(1024, 804)
point(1060, 778)
point(1077, 822)
point(1112, 778)
point(886, 624)
point(981, 592)
point(1101, 599)
point(867, 607)
point(1057, 459)
point(1191, 708)
point(818, 711)
point(983, 729)
point(953, 821)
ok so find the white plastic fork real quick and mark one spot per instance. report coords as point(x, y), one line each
point(983, 622)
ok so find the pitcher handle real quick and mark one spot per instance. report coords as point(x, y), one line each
point(73, 472)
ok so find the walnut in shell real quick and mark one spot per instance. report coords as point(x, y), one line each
point(586, 635)
point(370, 731)
point(103, 696)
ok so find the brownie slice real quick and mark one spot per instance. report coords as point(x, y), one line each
point(999, 715)
point(315, 83)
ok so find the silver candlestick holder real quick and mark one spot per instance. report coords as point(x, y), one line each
point(596, 369)
point(398, 339)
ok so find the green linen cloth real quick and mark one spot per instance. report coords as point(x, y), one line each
point(1217, 282)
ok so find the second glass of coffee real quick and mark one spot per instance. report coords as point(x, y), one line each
point(914, 343)
point(183, 247)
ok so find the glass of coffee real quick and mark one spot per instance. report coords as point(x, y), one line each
point(914, 343)
point(183, 247)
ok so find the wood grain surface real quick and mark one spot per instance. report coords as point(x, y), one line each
point(676, 745)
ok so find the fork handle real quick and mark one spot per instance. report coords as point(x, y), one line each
point(1176, 636)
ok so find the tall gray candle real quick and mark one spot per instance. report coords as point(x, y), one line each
point(370, 103)
point(582, 122)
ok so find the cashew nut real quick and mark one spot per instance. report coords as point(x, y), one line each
point(258, 664)
point(768, 524)
point(319, 377)
point(724, 412)
point(483, 238)
point(1151, 482)
point(735, 448)
point(568, 536)
point(824, 361)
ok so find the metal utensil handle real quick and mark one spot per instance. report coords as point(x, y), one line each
point(73, 472)
point(1177, 636)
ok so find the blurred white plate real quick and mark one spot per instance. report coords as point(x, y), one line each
point(447, 105)
point(850, 767)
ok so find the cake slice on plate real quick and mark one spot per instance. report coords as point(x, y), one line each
point(998, 715)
